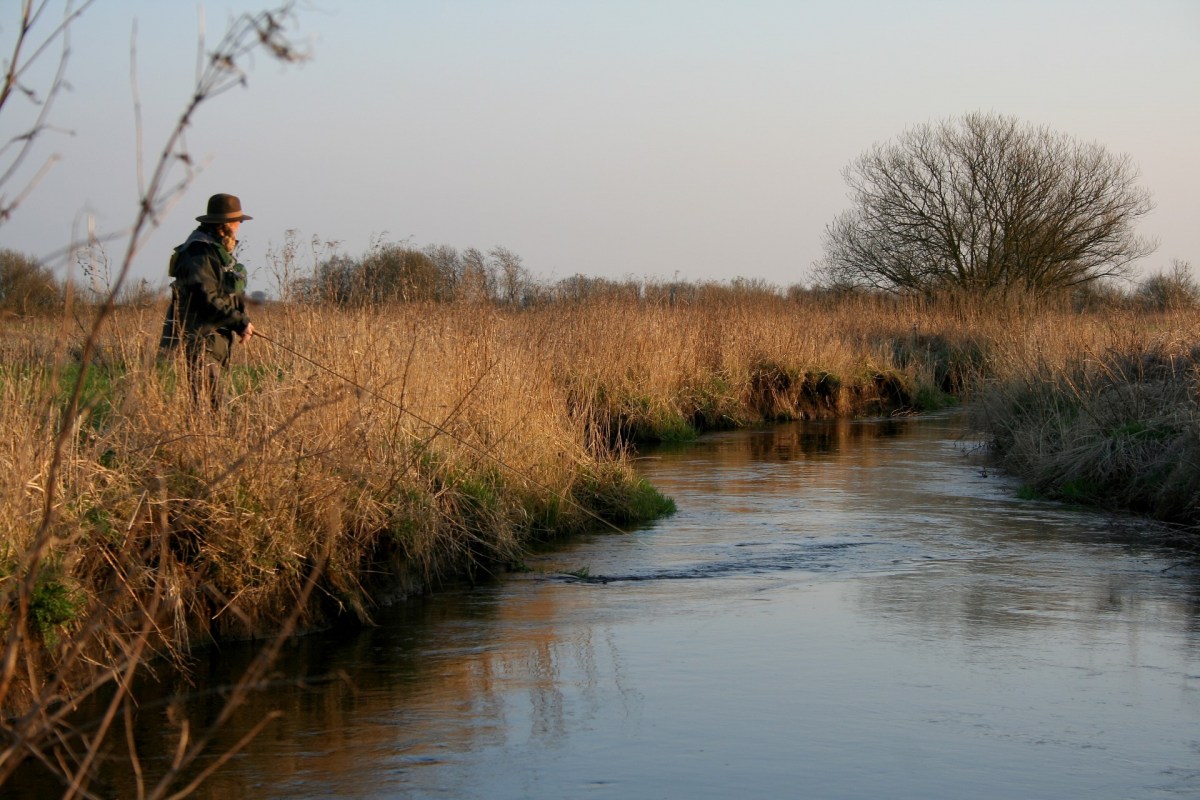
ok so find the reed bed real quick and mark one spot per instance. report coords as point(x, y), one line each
point(1106, 413)
point(655, 372)
point(423, 441)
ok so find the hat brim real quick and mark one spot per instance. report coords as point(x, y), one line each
point(218, 218)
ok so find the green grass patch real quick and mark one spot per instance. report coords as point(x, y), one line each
point(617, 497)
point(931, 398)
point(1029, 492)
point(641, 420)
point(54, 605)
point(1144, 431)
point(247, 379)
point(97, 394)
point(1079, 490)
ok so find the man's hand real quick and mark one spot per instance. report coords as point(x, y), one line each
point(245, 335)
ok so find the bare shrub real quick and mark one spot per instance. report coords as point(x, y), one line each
point(27, 286)
point(1174, 290)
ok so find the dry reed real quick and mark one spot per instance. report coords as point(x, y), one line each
point(1106, 413)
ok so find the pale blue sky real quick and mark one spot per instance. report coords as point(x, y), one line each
point(702, 138)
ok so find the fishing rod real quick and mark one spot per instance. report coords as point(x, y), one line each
point(440, 429)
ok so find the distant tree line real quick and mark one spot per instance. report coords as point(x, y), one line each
point(393, 274)
point(399, 273)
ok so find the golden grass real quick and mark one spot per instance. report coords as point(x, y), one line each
point(1106, 413)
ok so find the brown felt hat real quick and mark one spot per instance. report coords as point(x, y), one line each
point(224, 208)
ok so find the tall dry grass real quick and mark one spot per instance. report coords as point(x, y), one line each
point(419, 434)
point(422, 441)
point(653, 371)
point(1104, 411)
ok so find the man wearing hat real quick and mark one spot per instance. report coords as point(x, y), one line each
point(207, 310)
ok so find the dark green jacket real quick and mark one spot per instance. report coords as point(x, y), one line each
point(206, 308)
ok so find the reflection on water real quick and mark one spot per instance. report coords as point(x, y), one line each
point(844, 609)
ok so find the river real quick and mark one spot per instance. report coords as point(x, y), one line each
point(852, 609)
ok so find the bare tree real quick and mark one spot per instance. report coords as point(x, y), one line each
point(478, 284)
point(513, 278)
point(985, 204)
point(1170, 291)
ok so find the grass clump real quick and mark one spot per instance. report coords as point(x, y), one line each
point(55, 605)
point(621, 499)
point(1113, 427)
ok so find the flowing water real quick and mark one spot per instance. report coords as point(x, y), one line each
point(838, 610)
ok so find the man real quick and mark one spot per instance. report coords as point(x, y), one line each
point(207, 310)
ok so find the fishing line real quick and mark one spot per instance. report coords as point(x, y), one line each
point(440, 429)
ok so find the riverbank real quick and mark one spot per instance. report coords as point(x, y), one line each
point(369, 454)
point(1110, 419)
